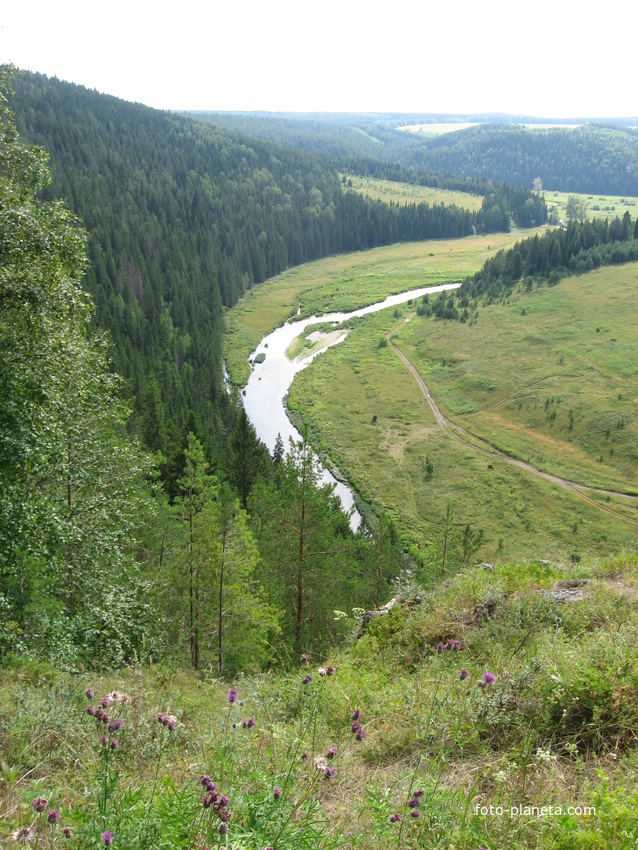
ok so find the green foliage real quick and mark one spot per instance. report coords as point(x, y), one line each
point(73, 493)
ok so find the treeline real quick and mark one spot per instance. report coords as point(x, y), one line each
point(590, 159)
point(501, 201)
point(579, 248)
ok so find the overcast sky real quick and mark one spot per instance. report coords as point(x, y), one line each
point(548, 59)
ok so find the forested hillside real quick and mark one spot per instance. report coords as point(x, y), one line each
point(183, 218)
point(588, 159)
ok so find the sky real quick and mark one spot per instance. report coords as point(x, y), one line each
point(548, 60)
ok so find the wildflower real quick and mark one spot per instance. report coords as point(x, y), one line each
point(90, 710)
point(53, 815)
point(248, 724)
point(356, 714)
point(106, 837)
point(67, 832)
point(305, 658)
point(326, 671)
point(88, 693)
point(224, 800)
point(463, 674)
point(116, 724)
point(304, 756)
point(39, 804)
point(414, 803)
point(395, 818)
point(23, 835)
point(104, 702)
point(358, 730)
point(415, 813)
point(330, 772)
point(454, 644)
point(488, 678)
point(232, 695)
point(170, 723)
point(222, 829)
point(277, 792)
point(439, 647)
point(208, 784)
point(208, 801)
point(419, 793)
point(114, 743)
point(225, 815)
point(307, 680)
point(332, 752)
point(105, 741)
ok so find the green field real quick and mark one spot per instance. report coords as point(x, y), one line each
point(348, 281)
point(408, 193)
point(598, 206)
point(550, 377)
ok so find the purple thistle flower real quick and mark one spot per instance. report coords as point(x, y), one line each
point(270, 847)
point(90, 710)
point(208, 801)
point(356, 714)
point(439, 647)
point(277, 792)
point(463, 674)
point(415, 813)
point(104, 740)
point(106, 837)
point(356, 726)
point(304, 756)
point(170, 724)
point(53, 815)
point(208, 784)
point(330, 772)
point(115, 725)
point(395, 818)
point(67, 832)
point(39, 804)
point(414, 803)
point(329, 670)
point(104, 702)
point(488, 678)
point(224, 800)
point(88, 693)
point(307, 680)
point(305, 658)
point(251, 722)
point(419, 793)
point(232, 695)
point(360, 735)
point(332, 752)
point(114, 743)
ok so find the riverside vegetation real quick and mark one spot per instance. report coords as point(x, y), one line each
point(143, 596)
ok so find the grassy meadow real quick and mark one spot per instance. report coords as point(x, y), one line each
point(454, 722)
point(550, 377)
point(408, 193)
point(349, 281)
point(366, 411)
point(597, 206)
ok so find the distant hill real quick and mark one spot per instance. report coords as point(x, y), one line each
point(593, 158)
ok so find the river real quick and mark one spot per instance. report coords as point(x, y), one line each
point(270, 380)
